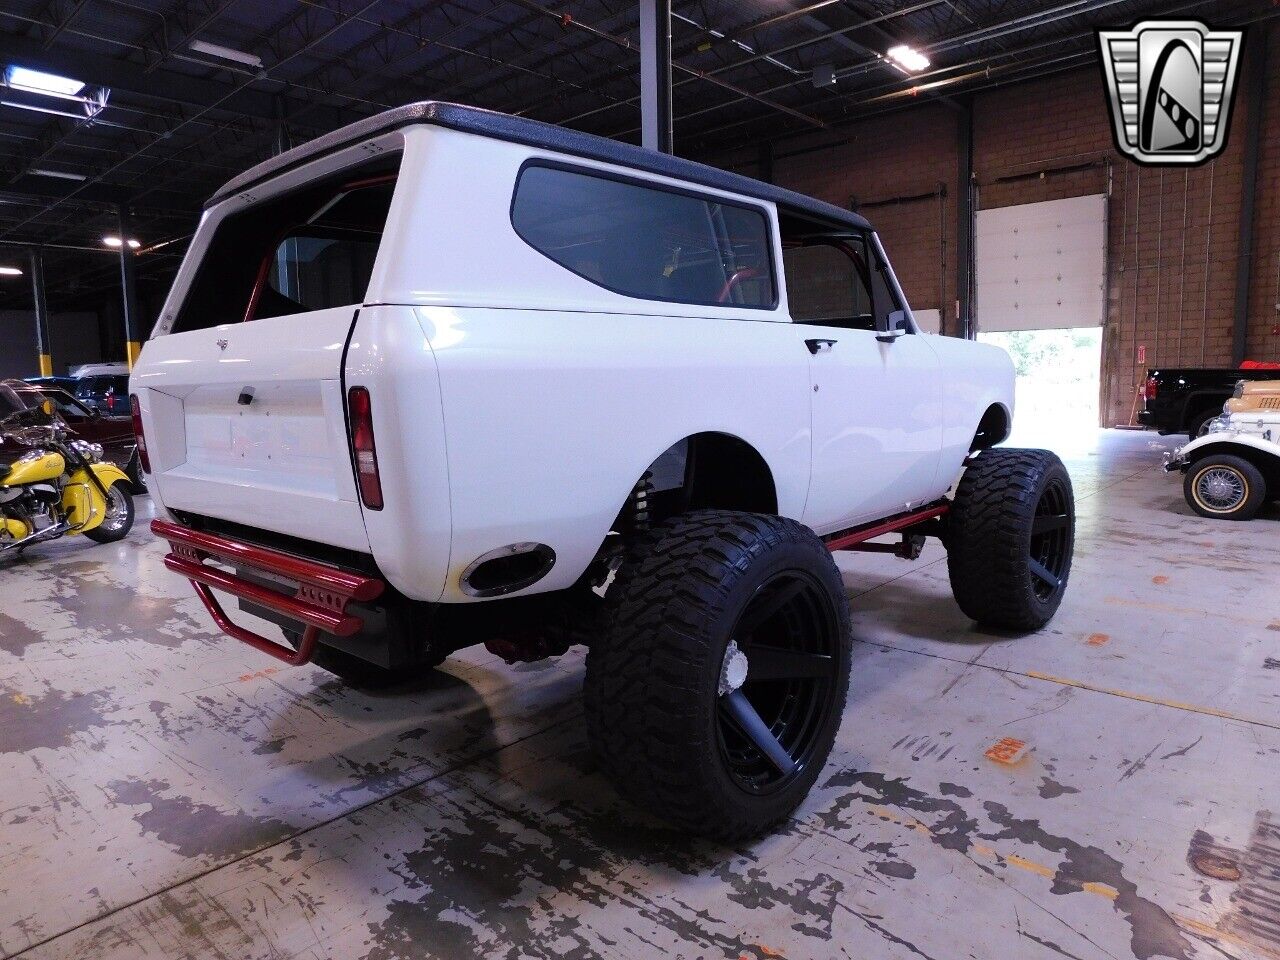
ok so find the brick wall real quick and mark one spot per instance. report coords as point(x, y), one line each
point(1172, 234)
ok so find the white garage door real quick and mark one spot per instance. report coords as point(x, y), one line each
point(1042, 266)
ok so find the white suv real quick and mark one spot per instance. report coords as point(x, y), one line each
point(447, 377)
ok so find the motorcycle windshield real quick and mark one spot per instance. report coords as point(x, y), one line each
point(23, 405)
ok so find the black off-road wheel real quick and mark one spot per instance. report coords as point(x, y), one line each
point(357, 673)
point(1009, 538)
point(1224, 487)
point(714, 694)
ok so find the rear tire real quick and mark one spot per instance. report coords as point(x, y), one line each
point(1223, 487)
point(1200, 422)
point(714, 694)
point(118, 522)
point(1010, 536)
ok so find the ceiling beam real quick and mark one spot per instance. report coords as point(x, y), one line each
point(196, 92)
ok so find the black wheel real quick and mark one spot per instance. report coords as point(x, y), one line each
point(1225, 487)
point(1199, 424)
point(119, 519)
point(715, 692)
point(358, 673)
point(1009, 538)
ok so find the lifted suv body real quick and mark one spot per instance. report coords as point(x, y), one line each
point(485, 357)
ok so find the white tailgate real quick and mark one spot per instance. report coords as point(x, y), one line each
point(278, 463)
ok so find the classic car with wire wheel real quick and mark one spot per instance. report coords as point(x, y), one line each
point(448, 377)
point(1234, 466)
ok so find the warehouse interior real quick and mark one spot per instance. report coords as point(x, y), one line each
point(1103, 786)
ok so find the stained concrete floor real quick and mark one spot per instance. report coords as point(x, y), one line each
point(1105, 788)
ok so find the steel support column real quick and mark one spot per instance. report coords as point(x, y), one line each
point(655, 75)
point(1255, 60)
point(964, 224)
point(128, 290)
point(42, 312)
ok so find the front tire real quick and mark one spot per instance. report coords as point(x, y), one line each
point(1010, 536)
point(119, 519)
point(715, 692)
point(1224, 487)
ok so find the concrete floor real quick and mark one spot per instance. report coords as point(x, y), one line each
point(1101, 789)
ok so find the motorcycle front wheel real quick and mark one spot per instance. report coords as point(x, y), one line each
point(119, 519)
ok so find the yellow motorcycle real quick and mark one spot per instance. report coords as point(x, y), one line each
point(61, 487)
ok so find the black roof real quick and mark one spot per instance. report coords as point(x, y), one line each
point(546, 136)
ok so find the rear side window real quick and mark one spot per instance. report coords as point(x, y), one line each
point(309, 249)
point(644, 241)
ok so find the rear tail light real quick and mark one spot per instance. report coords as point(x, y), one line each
point(363, 446)
point(1150, 388)
point(136, 411)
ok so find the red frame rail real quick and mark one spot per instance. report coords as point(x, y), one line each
point(849, 539)
point(319, 601)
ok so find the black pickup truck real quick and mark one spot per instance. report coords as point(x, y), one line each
point(1184, 399)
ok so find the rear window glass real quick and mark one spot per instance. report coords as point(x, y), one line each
point(645, 241)
point(310, 249)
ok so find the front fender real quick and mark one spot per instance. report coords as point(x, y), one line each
point(109, 473)
point(1220, 442)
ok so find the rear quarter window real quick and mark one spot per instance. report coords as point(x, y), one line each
point(645, 241)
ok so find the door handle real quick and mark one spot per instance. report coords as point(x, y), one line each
point(819, 346)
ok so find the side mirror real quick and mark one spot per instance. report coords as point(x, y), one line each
point(897, 326)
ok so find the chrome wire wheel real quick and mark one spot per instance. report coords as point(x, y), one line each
point(778, 682)
point(1220, 488)
point(117, 510)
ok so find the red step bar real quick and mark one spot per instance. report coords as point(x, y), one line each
point(319, 601)
point(849, 539)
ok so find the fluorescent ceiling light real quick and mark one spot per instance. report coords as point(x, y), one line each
point(24, 78)
point(10, 272)
point(57, 174)
point(226, 53)
point(114, 242)
point(907, 59)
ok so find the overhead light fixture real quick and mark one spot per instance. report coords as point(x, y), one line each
point(56, 174)
point(907, 59)
point(37, 81)
point(114, 243)
point(226, 53)
point(10, 272)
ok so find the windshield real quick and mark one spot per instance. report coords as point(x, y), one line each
point(23, 405)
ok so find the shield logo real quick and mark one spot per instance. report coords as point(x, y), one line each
point(1170, 84)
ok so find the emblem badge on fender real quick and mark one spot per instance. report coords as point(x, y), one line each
point(1170, 86)
point(222, 344)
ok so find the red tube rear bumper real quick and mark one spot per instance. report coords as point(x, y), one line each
point(318, 601)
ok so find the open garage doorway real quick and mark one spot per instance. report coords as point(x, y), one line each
point(1057, 386)
point(1041, 280)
